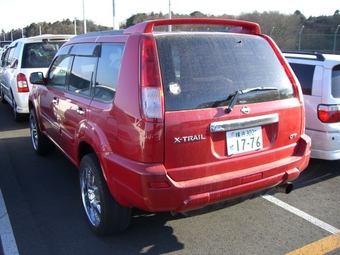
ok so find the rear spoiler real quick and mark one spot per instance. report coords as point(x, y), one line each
point(244, 27)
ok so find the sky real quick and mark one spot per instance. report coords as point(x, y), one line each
point(15, 14)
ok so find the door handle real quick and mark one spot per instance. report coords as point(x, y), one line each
point(80, 111)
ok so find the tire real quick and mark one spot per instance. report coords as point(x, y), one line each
point(18, 117)
point(3, 100)
point(105, 215)
point(41, 144)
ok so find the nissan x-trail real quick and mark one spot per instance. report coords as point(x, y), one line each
point(179, 121)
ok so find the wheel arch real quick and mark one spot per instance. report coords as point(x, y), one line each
point(90, 139)
point(33, 106)
point(86, 148)
point(94, 140)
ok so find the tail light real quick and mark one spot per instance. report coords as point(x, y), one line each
point(294, 82)
point(152, 93)
point(22, 83)
point(329, 113)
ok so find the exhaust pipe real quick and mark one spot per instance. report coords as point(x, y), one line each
point(285, 188)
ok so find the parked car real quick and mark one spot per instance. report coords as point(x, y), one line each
point(2, 55)
point(20, 58)
point(319, 76)
point(184, 121)
point(2, 50)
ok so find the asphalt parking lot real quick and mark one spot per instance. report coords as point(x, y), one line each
point(41, 212)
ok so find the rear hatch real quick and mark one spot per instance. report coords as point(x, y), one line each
point(229, 104)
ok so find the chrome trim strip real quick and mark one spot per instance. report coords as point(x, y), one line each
point(228, 125)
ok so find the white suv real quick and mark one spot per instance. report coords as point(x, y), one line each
point(21, 58)
point(319, 76)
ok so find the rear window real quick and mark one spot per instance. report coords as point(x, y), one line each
point(305, 74)
point(39, 55)
point(336, 81)
point(204, 70)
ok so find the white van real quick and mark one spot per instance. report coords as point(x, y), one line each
point(22, 57)
point(319, 76)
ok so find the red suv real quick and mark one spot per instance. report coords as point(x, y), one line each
point(180, 121)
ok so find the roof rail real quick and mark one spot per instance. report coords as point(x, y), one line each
point(246, 27)
point(312, 55)
point(98, 33)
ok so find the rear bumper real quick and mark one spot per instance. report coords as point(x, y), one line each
point(21, 100)
point(148, 187)
point(324, 145)
point(193, 202)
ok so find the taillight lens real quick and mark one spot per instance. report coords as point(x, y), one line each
point(22, 83)
point(152, 94)
point(329, 113)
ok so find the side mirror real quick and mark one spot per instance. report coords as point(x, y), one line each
point(37, 78)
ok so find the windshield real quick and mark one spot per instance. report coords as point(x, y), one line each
point(202, 70)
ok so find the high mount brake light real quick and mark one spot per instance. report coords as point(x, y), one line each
point(246, 27)
point(22, 83)
point(329, 113)
point(152, 94)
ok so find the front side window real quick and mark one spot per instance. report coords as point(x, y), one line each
point(57, 75)
point(82, 74)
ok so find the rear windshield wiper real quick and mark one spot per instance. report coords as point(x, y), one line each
point(233, 96)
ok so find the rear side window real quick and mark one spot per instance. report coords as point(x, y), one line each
point(336, 81)
point(305, 74)
point(107, 72)
point(203, 70)
point(39, 55)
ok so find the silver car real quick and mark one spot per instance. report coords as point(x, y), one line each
point(319, 76)
point(18, 61)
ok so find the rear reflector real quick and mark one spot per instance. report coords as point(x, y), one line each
point(159, 185)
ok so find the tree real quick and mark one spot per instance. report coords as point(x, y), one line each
point(275, 23)
point(197, 14)
point(137, 18)
point(318, 32)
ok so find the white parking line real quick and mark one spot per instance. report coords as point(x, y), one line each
point(302, 214)
point(7, 239)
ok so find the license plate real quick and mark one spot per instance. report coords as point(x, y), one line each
point(244, 140)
